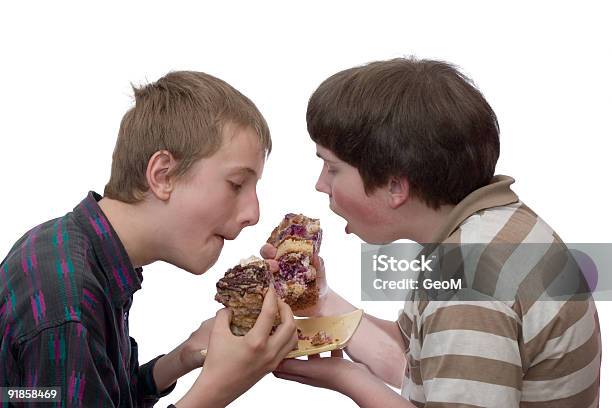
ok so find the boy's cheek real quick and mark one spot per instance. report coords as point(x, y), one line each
point(357, 209)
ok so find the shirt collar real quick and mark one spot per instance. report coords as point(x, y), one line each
point(122, 277)
point(495, 194)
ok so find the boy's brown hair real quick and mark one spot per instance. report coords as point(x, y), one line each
point(419, 119)
point(184, 113)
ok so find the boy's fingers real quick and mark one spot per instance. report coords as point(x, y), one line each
point(289, 377)
point(314, 356)
point(286, 314)
point(288, 366)
point(268, 251)
point(273, 264)
point(292, 366)
point(316, 261)
point(287, 328)
point(319, 265)
point(222, 321)
point(337, 353)
point(265, 321)
point(286, 349)
point(321, 279)
point(285, 337)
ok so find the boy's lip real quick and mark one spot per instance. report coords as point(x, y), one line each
point(227, 237)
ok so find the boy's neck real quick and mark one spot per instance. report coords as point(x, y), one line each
point(133, 231)
point(424, 222)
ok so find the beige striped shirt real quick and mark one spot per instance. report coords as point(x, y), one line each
point(501, 352)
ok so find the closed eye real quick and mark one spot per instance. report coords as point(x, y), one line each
point(235, 186)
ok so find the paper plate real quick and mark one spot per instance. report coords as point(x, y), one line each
point(340, 328)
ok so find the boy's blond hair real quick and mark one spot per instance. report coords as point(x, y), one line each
point(184, 113)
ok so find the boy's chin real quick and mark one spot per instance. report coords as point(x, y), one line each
point(201, 265)
point(205, 266)
point(373, 240)
point(198, 271)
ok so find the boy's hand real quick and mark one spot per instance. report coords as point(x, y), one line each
point(346, 377)
point(334, 373)
point(268, 252)
point(191, 356)
point(233, 364)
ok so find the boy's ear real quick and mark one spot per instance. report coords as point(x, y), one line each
point(398, 190)
point(159, 175)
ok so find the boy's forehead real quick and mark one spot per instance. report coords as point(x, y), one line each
point(326, 154)
point(238, 139)
point(241, 152)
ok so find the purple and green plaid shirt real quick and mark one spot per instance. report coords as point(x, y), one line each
point(66, 289)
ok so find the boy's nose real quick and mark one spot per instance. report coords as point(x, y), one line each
point(250, 213)
point(321, 185)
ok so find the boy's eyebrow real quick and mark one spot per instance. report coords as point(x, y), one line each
point(247, 170)
point(325, 158)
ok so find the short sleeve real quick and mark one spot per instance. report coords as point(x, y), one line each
point(405, 326)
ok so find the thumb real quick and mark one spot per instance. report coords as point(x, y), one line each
point(268, 251)
point(286, 366)
point(316, 261)
point(223, 319)
point(319, 264)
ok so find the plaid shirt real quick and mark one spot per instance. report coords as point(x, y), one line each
point(65, 296)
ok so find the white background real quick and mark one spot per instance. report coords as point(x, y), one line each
point(65, 76)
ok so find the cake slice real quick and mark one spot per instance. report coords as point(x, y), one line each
point(243, 289)
point(297, 240)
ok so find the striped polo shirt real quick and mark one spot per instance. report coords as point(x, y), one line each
point(502, 351)
point(66, 289)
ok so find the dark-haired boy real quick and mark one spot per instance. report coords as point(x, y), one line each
point(409, 149)
point(187, 160)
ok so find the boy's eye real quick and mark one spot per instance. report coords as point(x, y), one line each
point(235, 186)
point(331, 170)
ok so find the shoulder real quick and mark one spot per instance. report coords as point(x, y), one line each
point(513, 223)
point(504, 247)
point(44, 274)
